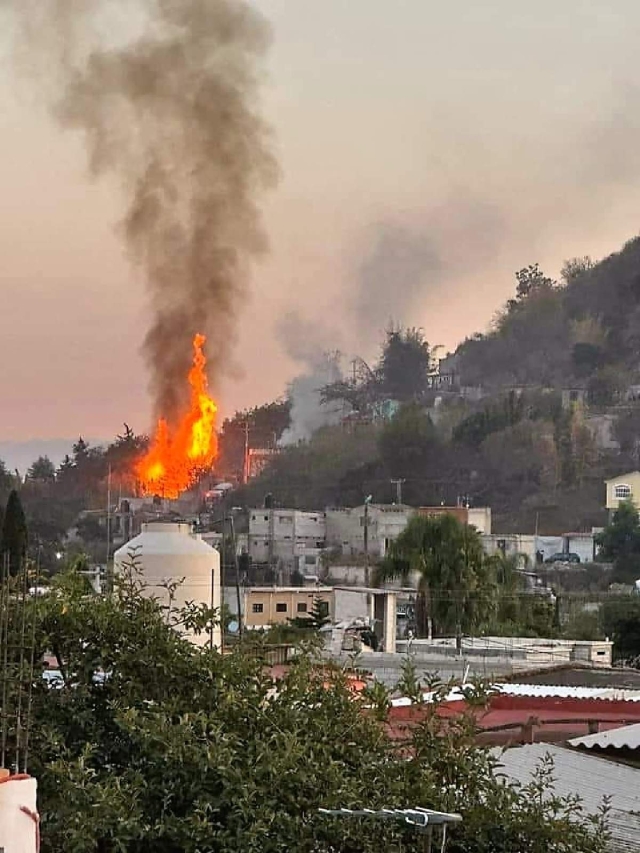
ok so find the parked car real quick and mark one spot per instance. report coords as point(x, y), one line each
point(563, 557)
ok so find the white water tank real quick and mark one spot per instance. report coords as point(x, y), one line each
point(169, 553)
point(19, 830)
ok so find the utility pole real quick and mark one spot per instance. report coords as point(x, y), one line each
point(237, 568)
point(245, 467)
point(108, 525)
point(367, 501)
point(398, 485)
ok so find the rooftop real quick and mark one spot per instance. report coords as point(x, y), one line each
point(626, 737)
point(577, 675)
point(591, 778)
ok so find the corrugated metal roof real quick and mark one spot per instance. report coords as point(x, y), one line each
point(537, 690)
point(591, 778)
point(625, 737)
point(568, 692)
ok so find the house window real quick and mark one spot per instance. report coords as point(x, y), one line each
point(281, 607)
point(257, 608)
point(323, 608)
point(622, 492)
point(302, 607)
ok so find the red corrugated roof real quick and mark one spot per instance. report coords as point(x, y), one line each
point(507, 718)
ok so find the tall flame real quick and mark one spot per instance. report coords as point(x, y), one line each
point(174, 459)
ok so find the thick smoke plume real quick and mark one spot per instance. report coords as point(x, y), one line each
point(169, 110)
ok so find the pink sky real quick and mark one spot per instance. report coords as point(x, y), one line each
point(502, 136)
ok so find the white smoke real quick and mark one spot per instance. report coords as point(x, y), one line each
point(304, 343)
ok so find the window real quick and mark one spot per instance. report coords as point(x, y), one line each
point(281, 607)
point(257, 608)
point(266, 518)
point(302, 607)
point(253, 518)
point(622, 492)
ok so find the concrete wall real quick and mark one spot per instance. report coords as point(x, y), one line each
point(345, 528)
point(350, 605)
point(264, 606)
point(285, 533)
point(511, 544)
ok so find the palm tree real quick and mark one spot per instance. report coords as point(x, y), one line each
point(454, 579)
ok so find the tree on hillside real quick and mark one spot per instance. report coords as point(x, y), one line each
point(42, 470)
point(573, 269)
point(264, 424)
point(619, 542)
point(407, 441)
point(6, 477)
point(531, 281)
point(13, 544)
point(493, 416)
point(456, 588)
point(405, 364)
point(183, 750)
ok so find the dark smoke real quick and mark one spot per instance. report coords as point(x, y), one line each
point(172, 114)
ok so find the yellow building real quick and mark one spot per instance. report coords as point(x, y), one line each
point(625, 487)
point(273, 605)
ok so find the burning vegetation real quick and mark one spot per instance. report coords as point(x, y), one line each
point(179, 453)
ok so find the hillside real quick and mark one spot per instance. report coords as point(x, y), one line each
point(529, 418)
point(583, 331)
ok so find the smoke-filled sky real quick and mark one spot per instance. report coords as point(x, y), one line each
point(427, 151)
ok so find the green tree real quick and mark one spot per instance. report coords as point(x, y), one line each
point(619, 542)
point(42, 470)
point(456, 588)
point(531, 280)
point(407, 441)
point(6, 478)
point(317, 617)
point(621, 623)
point(13, 544)
point(405, 364)
point(176, 749)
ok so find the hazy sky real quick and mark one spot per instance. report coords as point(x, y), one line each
point(428, 151)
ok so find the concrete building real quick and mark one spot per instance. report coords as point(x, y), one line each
point(276, 605)
point(385, 522)
point(478, 517)
point(624, 487)
point(345, 527)
point(511, 545)
point(288, 538)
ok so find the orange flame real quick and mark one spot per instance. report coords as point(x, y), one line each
point(171, 464)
